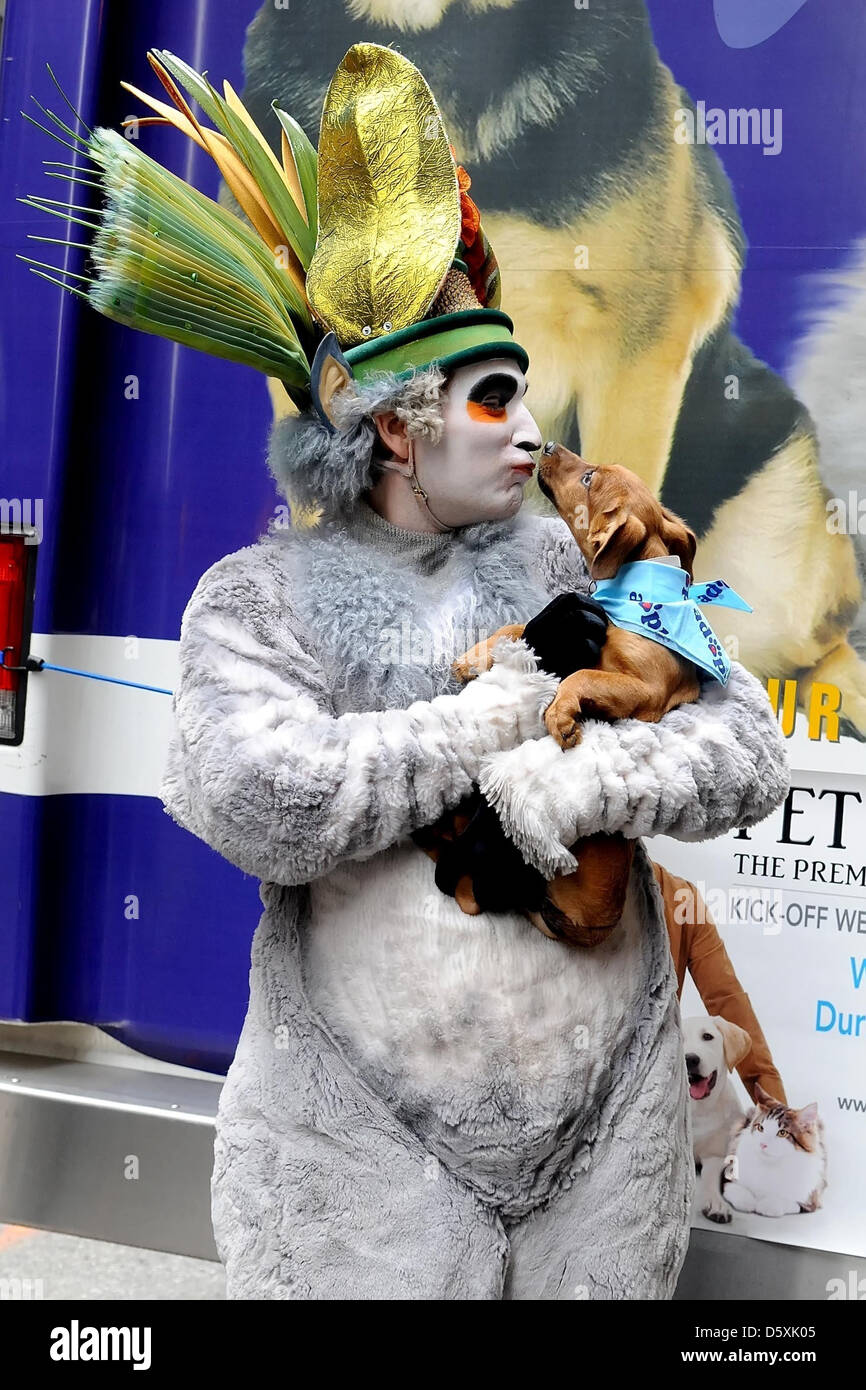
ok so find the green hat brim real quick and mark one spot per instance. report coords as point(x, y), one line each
point(451, 340)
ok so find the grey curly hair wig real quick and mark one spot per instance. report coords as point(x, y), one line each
point(315, 468)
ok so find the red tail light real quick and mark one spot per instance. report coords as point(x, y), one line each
point(17, 572)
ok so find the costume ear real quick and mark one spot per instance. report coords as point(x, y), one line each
point(679, 538)
point(613, 537)
point(329, 373)
point(735, 1040)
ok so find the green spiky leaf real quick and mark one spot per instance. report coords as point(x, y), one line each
point(170, 261)
point(300, 236)
point(306, 162)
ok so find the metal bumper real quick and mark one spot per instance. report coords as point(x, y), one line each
point(112, 1153)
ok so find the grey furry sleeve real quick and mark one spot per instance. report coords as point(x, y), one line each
point(704, 769)
point(261, 770)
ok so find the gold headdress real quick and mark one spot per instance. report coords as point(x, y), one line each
point(365, 256)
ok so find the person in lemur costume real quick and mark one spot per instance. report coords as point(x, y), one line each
point(422, 1104)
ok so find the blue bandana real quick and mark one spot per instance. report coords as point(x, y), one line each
point(658, 601)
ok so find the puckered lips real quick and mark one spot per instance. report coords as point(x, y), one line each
point(701, 1086)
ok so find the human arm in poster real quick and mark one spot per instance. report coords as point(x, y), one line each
point(696, 946)
point(716, 981)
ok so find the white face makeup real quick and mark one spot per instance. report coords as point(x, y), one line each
point(481, 465)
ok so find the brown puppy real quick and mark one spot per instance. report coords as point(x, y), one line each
point(615, 519)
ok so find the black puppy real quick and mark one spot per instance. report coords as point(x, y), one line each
point(476, 863)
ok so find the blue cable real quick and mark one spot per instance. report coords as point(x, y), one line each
point(71, 671)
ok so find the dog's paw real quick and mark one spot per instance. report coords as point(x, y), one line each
point(461, 670)
point(718, 1210)
point(473, 663)
point(464, 670)
point(465, 897)
point(722, 1218)
point(562, 724)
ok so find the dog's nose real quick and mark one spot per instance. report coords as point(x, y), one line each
point(692, 1061)
point(550, 447)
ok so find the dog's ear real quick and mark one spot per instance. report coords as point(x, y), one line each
point(679, 538)
point(735, 1040)
point(613, 536)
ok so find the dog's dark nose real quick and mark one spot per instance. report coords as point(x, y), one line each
point(550, 447)
point(693, 1061)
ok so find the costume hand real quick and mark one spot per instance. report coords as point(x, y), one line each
point(568, 634)
point(501, 880)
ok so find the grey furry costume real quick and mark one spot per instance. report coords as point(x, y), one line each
point(423, 1104)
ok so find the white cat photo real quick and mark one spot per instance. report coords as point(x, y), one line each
point(778, 1162)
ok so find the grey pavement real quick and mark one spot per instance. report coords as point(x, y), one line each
point(49, 1265)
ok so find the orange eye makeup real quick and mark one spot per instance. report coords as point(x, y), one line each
point(481, 410)
point(489, 397)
